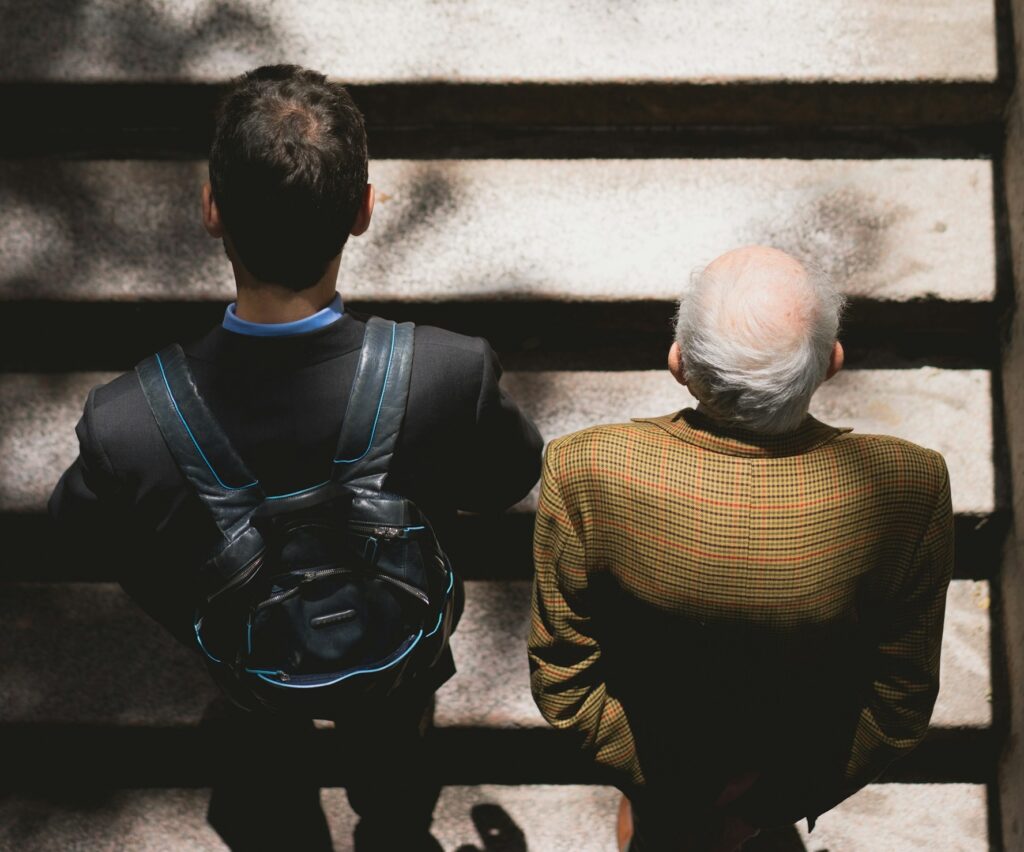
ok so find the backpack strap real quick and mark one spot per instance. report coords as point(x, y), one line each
point(197, 442)
point(376, 405)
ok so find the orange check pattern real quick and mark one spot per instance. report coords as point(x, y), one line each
point(723, 526)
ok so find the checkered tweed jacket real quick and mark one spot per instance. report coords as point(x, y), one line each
point(708, 602)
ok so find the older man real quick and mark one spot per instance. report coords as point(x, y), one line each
point(738, 609)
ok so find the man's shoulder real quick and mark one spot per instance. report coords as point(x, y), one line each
point(605, 440)
point(449, 368)
point(889, 453)
point(111, 399)
point(431, 340)
point(116, 413)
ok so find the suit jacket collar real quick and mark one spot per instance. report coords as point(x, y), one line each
point(700, 430)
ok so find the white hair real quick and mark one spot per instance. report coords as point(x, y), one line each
point(749, 364)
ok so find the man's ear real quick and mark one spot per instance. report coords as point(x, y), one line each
point(835, 360)
point(365, 212)
point(211, 215)
point(675, 364)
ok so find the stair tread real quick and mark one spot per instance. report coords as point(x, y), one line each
point(562, 818)
point(419, 40)
point(589, 230)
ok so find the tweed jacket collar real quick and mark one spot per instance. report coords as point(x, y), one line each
point(700, 430)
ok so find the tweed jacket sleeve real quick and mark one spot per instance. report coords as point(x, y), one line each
point(900, 700)
point(565, 659)
point(904, 669)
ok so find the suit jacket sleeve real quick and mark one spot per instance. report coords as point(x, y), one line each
point(565, 659)
point(95, 513)
point(501, 461)
point(904, 666)
point(86, 496)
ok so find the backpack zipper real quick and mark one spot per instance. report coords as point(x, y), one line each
point(240, 578)
point(308, 576)
point(381, 531)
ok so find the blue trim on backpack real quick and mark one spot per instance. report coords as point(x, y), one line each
point(440, 615)
point(380, 404)
point(202, 647)
point(202, 455)
point(260, 672)
point(440, 618)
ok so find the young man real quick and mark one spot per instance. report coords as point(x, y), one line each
point(738, 609)
point(288, 185)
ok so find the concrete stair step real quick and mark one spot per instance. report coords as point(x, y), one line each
point(563, 230)
point(82, 655)
point(94, 77)
point(420, 41)
point(925, 405)
point(543, 818)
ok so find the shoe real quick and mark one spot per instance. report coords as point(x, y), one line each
point(624, 825)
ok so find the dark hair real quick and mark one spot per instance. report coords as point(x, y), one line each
point(288, 171)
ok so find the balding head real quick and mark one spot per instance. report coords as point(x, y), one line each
point(756, 331)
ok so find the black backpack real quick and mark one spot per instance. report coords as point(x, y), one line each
point(337, 591)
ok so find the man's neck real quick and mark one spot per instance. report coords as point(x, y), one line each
point(268, 303)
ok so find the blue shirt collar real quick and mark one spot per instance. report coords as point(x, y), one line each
point(321, 319)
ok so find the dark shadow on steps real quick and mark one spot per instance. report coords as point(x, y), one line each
point(51, 38)
point(30, 827)
point(172, 119)
point(528, 335)
point(498, 831)
point(779, 840)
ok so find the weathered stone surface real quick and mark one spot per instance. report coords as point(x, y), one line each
point(109, 821)
point(85, 653)
point(37, 421)
point(881, 818)
point(965, 693)
point(543, 818)
point(492, 686)
point(905, 817)
point(520, 229)
point(490, 41)
point(81, 653)
point(947, 410)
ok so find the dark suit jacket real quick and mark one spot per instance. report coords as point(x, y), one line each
point(464, 445)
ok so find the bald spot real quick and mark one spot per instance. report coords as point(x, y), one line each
point(762, 295)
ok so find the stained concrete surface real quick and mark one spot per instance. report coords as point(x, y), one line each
point(491, 41)
point(540, 818)
point(946, 410)
point(520, 229)
point(905, 817)
point(83, 653)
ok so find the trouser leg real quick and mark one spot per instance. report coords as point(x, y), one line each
point(670, 824)
point(262, 799)
point(392, 784)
